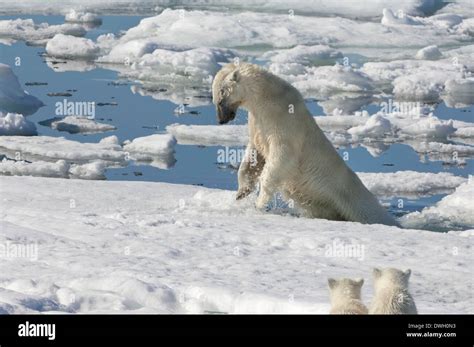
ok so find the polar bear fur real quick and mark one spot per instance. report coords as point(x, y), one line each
point(346, 297)
point(391, 292)
point(293, 156)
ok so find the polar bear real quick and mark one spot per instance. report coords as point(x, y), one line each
point(391, 292)
point(345, 296)
point(288, 152)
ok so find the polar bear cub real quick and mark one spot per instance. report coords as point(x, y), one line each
point(345, 296)
point(391, 292)
point(287, 151)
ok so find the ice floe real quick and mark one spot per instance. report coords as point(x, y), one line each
point(76, 124)
point(27, 30)
point(67, 46)
point(12, 96)
point(452, 212)
point(56, 148)
point(61, 168)
point(410, 183)
point(74, 16)
point(157, 149)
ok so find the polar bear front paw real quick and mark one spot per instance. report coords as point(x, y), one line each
point(242, 193)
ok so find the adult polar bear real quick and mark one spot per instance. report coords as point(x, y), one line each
point(288, 152)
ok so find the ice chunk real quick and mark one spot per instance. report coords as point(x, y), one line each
point(429, 53)
point(16, 124)
point(28, 30)
point(454, 211)
point(157, 149)
point(12, 97)
point(41, 168)
point(76, 124)
point(67, 46)
point(82, 17)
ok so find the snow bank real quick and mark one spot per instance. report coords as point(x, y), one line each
point(12, 97)
point(157, 148)
point(199, 250)
point(16, 124)
point(452, 212)
point(82, 17)
point(27, 30)
point(76, 124)
point(67, 46)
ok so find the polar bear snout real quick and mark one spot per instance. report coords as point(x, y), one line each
point(226, 113)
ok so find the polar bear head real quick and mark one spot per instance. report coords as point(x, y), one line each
point(227, 93)
point(391, 277)
point(345, 288)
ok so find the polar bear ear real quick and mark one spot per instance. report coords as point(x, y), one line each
point(235, 77)
point(377, 272)
point(407, 273)
point(332, 282)
point(359, 281)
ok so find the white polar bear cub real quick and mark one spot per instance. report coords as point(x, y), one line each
point(288, 152)
point(345, 296)
point(391, 292)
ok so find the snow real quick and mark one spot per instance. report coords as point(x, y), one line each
point(12, 97)
point(157, 149)
point(454, 210)
point(27, 30)
point(429, 53)
point(67, 46)
point(77, 124)
point(82, 17)
point(16, 124)
point(136, 247)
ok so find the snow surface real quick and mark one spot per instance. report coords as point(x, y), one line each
point(16, 124)
point(140, 247)
point(12, 97)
